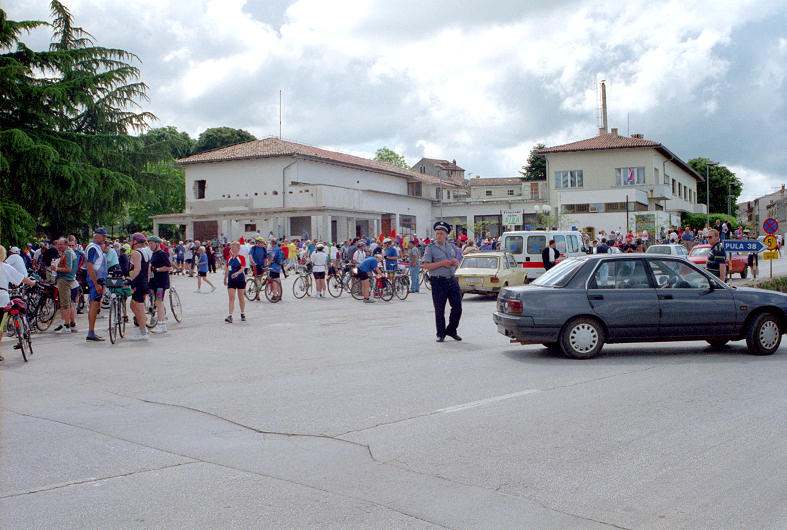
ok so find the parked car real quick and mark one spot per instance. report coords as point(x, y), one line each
point(740, 262)
point(669, 250)
point(585, 302)
point(486, 272)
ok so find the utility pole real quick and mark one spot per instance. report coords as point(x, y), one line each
point(280, 101)
point(707, 187)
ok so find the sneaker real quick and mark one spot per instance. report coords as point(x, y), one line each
point(228, 320)
point(57, 329)
point(94, 338)
point(159, 329)
point(73, 326)
point(63, 330)
point(140, 336)
point(368, 300)
point(242, 317)
point(197, 291)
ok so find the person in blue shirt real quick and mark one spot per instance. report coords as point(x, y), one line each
point(368, 265)
point(276, 260)
point(258, 255)
point(97, 274)
point(391, 255)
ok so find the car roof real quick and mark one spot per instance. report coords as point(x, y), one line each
point(496, 253)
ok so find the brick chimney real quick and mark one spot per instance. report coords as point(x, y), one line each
point(614, 131)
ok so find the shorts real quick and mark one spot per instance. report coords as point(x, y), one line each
point(238, 282)
point(138, 293)
point(258, 270)
point(64, 292)
point(75, 294)
point(160, 293)
point(275, 274)
point(203, 274)
point(319, 275)
point(753, 260)
point(190, 261)
point(94, 296)
point(179, 259)
point(363, 275)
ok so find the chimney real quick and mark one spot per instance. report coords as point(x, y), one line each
point(604, 105)
point(614, 131)
point(638, 135)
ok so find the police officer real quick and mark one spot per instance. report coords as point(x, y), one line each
point(441, 259)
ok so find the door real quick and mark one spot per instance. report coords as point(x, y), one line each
point(689, 308)
point(620, 293)
point(206, 230)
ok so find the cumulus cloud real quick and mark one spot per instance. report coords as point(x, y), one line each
point(469, 80)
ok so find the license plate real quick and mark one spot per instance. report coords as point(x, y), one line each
point(474, 281)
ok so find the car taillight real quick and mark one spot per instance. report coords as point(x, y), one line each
point(514, 306)
point(494, 279)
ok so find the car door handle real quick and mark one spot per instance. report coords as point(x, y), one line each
point(595, 297)
point(665, 297)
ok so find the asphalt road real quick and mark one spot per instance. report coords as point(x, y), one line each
point(334, 413)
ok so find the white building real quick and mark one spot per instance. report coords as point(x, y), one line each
point(290, 189)
point(612, 182)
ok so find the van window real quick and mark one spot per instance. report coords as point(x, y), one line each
point(560, 243)
point(514, 244)
point(573, 244)
point(535, 244)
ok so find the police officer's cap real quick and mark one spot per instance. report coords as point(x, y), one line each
point(442, 225)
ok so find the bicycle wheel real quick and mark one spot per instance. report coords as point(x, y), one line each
point(174, 304)
point(150, 309)
point(23, 336)
point(10, 329)
point(401, 288)
point(113, 320)
point(122, 316)
point(425, 281)
point(300, 287)
point(45, 313)
point(335, 287)
point(252, 290)
point(386, 290)
point(355, 289)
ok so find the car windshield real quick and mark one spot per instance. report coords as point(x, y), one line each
point(472, 262)
point(560, 274)
point(699, 252)
point(658, 249)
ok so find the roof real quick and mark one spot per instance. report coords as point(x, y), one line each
point(495, 181)
point(274, 147)
point(616, 141)
point(444, 164)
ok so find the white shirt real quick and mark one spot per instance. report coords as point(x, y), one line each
point(319, 260)
point(16, 261)
point(8, 275)
point(359, 256)
point(244, 251)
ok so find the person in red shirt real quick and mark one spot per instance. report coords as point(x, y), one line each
point(225, 253)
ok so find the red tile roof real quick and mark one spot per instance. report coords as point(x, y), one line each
point(495, 181)
point(273, 147)
point(444, 164)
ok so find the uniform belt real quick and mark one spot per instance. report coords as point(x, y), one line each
point(441, 277)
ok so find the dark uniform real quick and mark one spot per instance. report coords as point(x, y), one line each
point(444, 285)
point(716, 258)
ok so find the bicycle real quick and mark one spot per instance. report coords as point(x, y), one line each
point(16, 311)
point(303, 284)
point(424, 279)
point(334, 282)
point(262, 282)
point(401, 284)
point(379, 287)
point(118, 292)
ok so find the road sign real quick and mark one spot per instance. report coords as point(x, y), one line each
point(770, 255)
point(512, 217)
point(744, 245)
point(770, 225)
point(771, 242)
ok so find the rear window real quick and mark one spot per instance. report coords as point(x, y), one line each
point(535, 244)
point(560, 244)
point(658, 249)
point(514, 244)
point(480, 262)
point(560, 274)
point(573, 244)
point(699, 252)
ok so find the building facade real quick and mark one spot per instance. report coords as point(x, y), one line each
point(753, 213)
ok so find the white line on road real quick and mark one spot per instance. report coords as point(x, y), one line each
point(481, 402)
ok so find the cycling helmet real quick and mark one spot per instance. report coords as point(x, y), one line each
point(154, 239)
point(136, 237)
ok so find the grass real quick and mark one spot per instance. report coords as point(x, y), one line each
point(776, 284)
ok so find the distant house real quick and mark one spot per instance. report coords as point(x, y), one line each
point(442, 169)
point(754, 212)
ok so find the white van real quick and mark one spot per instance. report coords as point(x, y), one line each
point(526, 247)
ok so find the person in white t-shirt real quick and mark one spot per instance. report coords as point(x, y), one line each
point(320, 261)
point(15, 260)
point(8, 276)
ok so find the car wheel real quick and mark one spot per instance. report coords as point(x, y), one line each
point(717, 343)
point(744, 273)
point(582, 338)
point(764, 335)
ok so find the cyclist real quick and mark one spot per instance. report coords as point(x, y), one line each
point(391, 257)
point(370, 264)
point(8, 275)
point(65, 267)
point(235, 280)
point(258, 255)
point(202, 270)
point(179, 251)
point(360, 253)
point(140, 269)
point(320, 261)
point(16, 261)
point(160, 266)
point(96, 274)
point(275, 260)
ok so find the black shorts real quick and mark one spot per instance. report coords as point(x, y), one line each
point(753, 260)
point(203, 273)
point(139, 292)
point(259, 270)
point(239, 282)
point(319, 275)
point(363, 275)
point(275, 274)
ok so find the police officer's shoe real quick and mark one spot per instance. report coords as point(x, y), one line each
point(440, 338)
point(454, 336)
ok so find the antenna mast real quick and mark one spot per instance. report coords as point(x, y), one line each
point(280, 97)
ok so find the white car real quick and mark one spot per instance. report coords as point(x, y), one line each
point(668, 250)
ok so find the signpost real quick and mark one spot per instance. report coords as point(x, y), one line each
point(744, 245)
point(771, 242)
point(771, 225)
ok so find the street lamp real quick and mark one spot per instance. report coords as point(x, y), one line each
point(707, 187)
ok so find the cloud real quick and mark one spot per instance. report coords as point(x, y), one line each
point(474, 81)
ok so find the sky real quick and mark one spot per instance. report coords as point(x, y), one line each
point(477, 81)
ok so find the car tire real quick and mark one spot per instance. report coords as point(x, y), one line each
point(582, 338)
point(744, 273)
point(717, 343)
point(763, 335)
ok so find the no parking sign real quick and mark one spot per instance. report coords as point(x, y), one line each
point(770, 225)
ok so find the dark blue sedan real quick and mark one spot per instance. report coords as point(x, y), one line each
point(584, 302)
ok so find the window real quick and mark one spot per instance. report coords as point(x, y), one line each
point(510, 192)
point(534, 192)
point(673, 186)
point(629, 176)
point(535, 244)
point(250, 227)
point(568, 179)
point(423, 169)
point(560, 244)
point(437, 193)
point(672, 274)
point(479, 263)
point(666, 179)
point(414, 189)
point(448, 194)
point(655, 175)
point(622, 274)
point(513, 244)
point(488, 193)
point(199, 189)
point(615, 206)
point(573, 244)
point(407, 222)
point(512, 263)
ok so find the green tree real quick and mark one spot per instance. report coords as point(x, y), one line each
point(723, 184)
point(536, 167)
point(218, 137)
point(392, 157)
point(169, 142)
point(66, 158)
point(160, 189)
